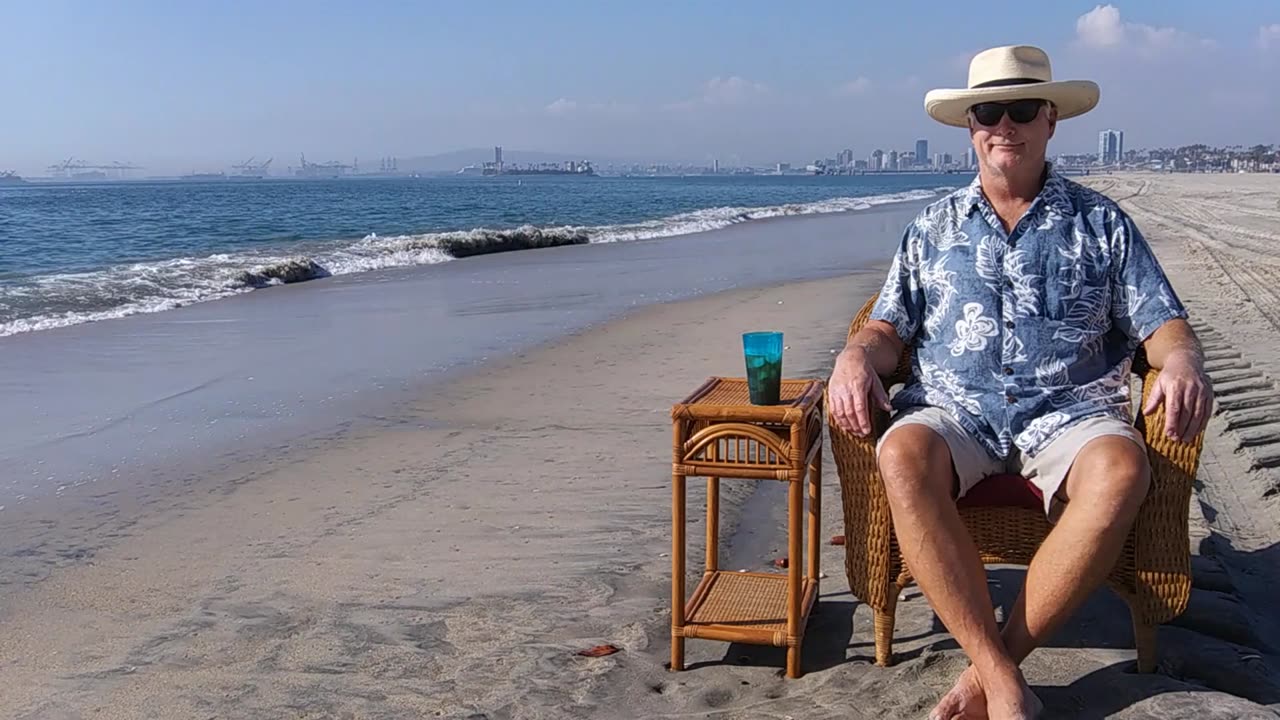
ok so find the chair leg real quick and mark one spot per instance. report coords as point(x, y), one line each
point(1144, 639)
point(793, 661)
point(884, 630)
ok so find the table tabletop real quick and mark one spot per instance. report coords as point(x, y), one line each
point(728, 399)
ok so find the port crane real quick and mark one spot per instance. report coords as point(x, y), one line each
point(249, 167)
point(333, 168)
point(71, 167)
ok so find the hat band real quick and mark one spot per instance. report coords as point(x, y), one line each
point(1007, 81)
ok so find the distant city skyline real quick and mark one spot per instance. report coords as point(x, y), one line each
point(179, 88)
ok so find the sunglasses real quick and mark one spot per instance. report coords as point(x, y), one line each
point(1020, 111)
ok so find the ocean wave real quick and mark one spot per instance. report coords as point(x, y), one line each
point(59, 300)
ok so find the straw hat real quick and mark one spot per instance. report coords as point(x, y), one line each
point(1013, 72)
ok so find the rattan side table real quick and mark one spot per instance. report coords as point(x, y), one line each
point(718, 434)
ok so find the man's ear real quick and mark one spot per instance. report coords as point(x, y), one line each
point(1053, 119)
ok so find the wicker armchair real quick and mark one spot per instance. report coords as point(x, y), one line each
point(1153, 574)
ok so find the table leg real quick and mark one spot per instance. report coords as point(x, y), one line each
point(677, 571)
point(815, 520)
point(795, 508)
point(713, 524)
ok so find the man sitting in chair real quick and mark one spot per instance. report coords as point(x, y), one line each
point(1024, 297)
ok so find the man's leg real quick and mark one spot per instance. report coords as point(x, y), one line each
point(916, 464)
point(1104, 487)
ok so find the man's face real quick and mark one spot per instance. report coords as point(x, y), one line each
point(1004, 144)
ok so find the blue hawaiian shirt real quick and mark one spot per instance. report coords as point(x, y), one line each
point(1020, 335)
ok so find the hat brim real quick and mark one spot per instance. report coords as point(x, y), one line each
point(1071, 97)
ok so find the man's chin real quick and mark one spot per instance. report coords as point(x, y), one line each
point(1005, 161)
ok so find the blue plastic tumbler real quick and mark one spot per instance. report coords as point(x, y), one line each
point(763, 352)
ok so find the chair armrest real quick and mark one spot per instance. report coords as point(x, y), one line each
point(1162, 552)
point(868, 528)
point(870, 561)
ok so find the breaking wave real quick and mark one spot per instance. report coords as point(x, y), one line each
point(58, 300)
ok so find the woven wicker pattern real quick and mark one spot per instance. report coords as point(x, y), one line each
point(733, 391)
point(743, 599)
point(1153, 574)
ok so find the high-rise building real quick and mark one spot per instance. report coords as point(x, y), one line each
point(937, 161)
point(715, 166)
point(877, 160)
point(497, 157)
point(892, 162)
point(922, 151)
point(970, 158)
point(1110, 146)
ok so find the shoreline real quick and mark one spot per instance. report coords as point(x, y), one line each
point(213, 385)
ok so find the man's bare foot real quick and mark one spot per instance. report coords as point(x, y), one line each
point(967, 700)
point(1013, 701)
point(964, 701)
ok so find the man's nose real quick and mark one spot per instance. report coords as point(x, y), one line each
point(1006, 126)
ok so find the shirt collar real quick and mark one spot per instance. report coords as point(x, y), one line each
point(1053, 195)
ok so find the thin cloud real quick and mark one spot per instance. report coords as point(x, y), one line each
point(565, 106)
point(731, 90)
point(723, 91)
point(1269, 37)
point(857, 86)
point(562, 106)
point(1103, 28)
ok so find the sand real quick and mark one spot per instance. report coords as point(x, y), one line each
point(449, 564)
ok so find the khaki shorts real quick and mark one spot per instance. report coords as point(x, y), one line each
point(1047, 470)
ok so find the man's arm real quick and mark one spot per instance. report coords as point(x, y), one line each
point(855, 386)
point(1182, 384)
point(878, 342)
point(1175, 337)
point(1149, 311)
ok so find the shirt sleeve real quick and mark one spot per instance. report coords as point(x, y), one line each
point(1143, 299)
point(902, 299)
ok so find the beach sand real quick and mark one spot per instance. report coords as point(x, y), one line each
point(450, 564)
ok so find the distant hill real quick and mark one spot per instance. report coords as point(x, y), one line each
point(454, 161)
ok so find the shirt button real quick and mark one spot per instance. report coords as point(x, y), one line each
point(1008, 371)
point(1010, 398)
point(1008, 324)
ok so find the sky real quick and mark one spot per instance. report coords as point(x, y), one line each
point(198, 84)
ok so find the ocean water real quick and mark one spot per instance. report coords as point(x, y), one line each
point(77, 253)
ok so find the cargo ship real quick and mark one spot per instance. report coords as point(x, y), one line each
point(205, 176)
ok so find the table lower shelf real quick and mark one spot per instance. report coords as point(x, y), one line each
point(745, 607)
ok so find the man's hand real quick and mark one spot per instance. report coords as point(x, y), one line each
point(1187, 395)
point(854, 390)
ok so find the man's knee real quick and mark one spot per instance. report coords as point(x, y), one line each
point(1111, 475)
point(915, 463)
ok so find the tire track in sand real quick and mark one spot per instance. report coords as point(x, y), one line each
point(1246, 398)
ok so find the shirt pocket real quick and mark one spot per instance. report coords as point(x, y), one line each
point(1078, 296)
